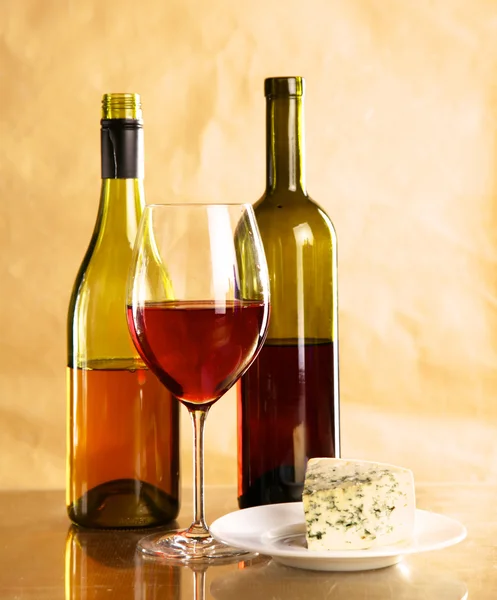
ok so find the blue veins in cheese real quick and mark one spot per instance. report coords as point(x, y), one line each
point(356, 504)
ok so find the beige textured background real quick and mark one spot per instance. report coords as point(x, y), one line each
point(401, 136)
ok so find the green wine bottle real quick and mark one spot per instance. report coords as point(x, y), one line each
point(288, 401)
point(123, 425)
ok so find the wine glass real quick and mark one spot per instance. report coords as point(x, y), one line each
point(198, 312)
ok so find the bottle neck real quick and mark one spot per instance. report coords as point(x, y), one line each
point(122, 198)
point(122, 148)
point(121, 205)
point(285, 144)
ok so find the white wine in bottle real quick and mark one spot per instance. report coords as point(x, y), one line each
point(123, 427)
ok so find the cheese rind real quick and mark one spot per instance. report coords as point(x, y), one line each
point(356, 504)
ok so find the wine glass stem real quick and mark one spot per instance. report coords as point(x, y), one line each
point(198, 529)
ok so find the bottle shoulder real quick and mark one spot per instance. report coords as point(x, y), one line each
point(101, 280)
point(281, 215)
point(96, 320)
point(106, 261)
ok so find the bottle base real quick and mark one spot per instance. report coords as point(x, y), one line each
point(124, 504)
point(274, 487)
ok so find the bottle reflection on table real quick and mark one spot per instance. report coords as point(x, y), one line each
point(104, 564)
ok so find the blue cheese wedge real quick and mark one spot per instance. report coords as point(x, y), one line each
point(357, 504)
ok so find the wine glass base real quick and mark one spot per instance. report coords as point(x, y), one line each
point(174, 545)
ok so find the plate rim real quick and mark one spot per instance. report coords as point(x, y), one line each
point(254, 543)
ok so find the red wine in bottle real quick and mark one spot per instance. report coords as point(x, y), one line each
point(288, 401)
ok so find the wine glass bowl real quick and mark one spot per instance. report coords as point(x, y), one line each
point(198, 312)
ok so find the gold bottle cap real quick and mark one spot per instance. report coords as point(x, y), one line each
point(121, 106)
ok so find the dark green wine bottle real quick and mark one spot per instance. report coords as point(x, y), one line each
point(123, 425)
point(288, 401)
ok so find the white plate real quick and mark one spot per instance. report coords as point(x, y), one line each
point(278, 530)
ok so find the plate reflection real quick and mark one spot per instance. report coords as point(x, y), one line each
point(400, 582)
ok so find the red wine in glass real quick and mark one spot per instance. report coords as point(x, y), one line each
point(198, 349)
